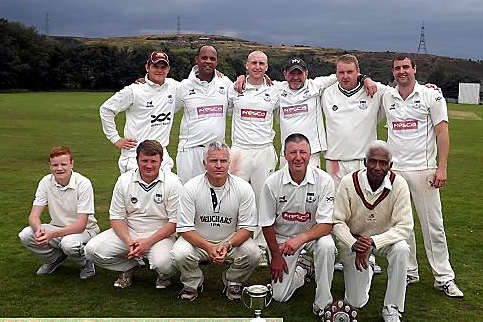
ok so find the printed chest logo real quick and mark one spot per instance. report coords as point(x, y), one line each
point(363, 105)
point(416, 105)
point(251, 113)
point(267, 97)
point(216, 220)
point(170, 99)
point(212, 110)
point(160, 118)
point(295, 109)
point(306, 93)
point(149, 104)
point(191, 92)
point(282, 199)
point(393, 106)
point(134, 200)
point(335, 107)
point(405, 125)
point(222, 90)
point(296, 216)
point(310, 197)
point(158, 198)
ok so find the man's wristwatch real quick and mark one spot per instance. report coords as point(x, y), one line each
point(230, 246)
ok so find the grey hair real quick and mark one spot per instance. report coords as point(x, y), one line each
point(379, 145)
point(215, 145)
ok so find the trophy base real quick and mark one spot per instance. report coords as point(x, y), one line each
point(258, 319)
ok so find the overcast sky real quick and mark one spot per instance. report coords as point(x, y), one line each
point(453, 28)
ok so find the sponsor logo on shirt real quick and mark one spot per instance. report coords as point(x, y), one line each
point(170, 99)
point(439, 98)
point(134, 199)
point(149, 104)
point(191, 92)
point(216, 220)
point(250, 113)
point(296, 216)
point(161, 119)
point(295, 109)
point(212, 110)
point(393, 106)
point(306, 93)
point(221, 90)
point(329, 200)
point(405, 125)
point(282, 199)
point(267, 97)
point(335, 107)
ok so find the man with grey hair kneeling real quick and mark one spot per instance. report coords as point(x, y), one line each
point(372, 214)
point(216, 221)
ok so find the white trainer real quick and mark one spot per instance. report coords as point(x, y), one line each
point(450, 289)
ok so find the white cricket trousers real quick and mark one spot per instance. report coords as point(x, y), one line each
point(107, 250)
point(324, 252)
point(186, 257)
point(427, 202)
point(189, 163)
point(358, 283)
point(338, 169)
point(71, 245)
point(254, 165)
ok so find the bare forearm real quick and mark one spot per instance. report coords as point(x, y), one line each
point(196, 240)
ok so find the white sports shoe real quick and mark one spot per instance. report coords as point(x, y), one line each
point(450, 288)
point(390, 313)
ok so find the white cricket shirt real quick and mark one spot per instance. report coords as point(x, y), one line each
point(65, 203)
point(253, 111)
point(301, 112)
point(410, 124)
point(146, 207)
point(204, 107)
point(149, 112)
point(217, 219)
point(293, 208)
point(350, 120)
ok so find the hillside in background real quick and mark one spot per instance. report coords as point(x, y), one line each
point(445, 71)
point(32, 61)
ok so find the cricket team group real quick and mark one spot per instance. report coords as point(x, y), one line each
point(230, 205)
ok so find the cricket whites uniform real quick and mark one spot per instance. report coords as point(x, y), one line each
point(351, 124)
point(253, 156)
point(293, 209)
point(216, 214)
point(149, 111)
point(385, 215)
point(300, 112)
point(145, 208)
point(412, 138)
point(204, 107)
point(65, 204)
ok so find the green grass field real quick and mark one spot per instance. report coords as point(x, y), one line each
point(31, 123)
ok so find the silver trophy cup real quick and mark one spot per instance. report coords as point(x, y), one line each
point(257, 297)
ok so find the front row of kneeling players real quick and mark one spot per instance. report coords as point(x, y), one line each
point(217, 215)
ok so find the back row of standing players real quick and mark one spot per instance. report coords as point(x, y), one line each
point(336, 113)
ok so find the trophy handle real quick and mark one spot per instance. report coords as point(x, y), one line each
point(270, 290)
point(244, 292)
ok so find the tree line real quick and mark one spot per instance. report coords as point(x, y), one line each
point(32, 61)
